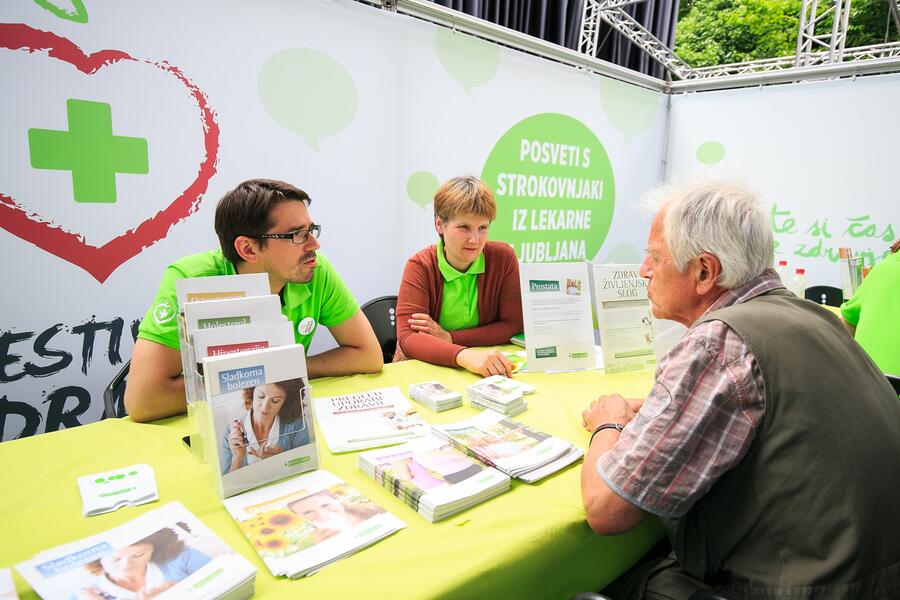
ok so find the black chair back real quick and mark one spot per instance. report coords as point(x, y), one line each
point(894, 381)
point(382, 314)
point(114, 394)
point(824, 294)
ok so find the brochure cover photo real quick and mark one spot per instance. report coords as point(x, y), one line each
point(369, 419)
point(164, 553)
point(260, 410)
point(299, 525)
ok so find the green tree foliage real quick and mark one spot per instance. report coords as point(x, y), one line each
point(870, 23)
point(716, 32)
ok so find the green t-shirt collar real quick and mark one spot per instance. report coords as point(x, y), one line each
point(295, 294)
point(449, 272)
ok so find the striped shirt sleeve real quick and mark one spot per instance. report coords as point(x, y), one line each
point(697, 423)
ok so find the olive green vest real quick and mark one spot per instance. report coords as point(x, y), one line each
point(813, 510)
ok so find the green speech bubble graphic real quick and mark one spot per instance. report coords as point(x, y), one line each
point(554, 187)
point(468, 60)
point(307, 92)
point(711, 152)
point(421, 186)
point(629, 108)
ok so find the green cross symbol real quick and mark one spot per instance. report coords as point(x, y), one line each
point(89, 150)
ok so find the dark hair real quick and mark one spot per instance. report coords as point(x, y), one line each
point(293, 404)
point(245, 210)
point(165, 543)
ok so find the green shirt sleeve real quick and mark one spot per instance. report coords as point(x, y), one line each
point(160, 324)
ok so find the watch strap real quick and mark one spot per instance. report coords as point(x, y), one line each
point(617, 426)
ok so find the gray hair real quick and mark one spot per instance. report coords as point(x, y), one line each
point(719, 218)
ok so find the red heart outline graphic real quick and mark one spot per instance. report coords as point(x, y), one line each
point(103, 260)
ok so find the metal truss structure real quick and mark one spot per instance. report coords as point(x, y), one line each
point(816, 51)
point(611, 12)
point(820, 55)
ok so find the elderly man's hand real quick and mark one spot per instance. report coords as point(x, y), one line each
point(609, 409)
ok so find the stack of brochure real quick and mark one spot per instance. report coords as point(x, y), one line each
point(433, 395)
point(232, 316)
point(300, 525)
point(225, 302)
point(510, 446)
point(370, 419)
point(433, 477)
point(501, 394)
point(164, 553)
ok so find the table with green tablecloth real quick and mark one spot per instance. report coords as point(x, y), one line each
point(530, 542)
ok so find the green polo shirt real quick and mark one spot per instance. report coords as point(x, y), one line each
point(459, 309)
point(324, 300)
point(875, 311)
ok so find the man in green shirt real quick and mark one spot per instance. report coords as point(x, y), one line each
point(872, 315)
point(263, 227)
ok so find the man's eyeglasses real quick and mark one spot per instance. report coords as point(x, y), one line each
point(301, 236)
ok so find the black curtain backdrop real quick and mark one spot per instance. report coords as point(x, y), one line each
point(559, 22)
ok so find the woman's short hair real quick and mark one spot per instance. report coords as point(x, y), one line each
point(293, 404)
point(165, 543)
point(720, 218)
point(246, 209)
point(464, 196)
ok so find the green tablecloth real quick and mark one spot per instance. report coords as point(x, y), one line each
point(531, 542)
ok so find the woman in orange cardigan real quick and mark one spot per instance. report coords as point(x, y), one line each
point(463, 291)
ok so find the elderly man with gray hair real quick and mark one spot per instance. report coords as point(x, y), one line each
point(769, 444)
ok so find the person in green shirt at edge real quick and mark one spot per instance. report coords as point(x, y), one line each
point(263, 226)
point(872, 315)
point(462, 292)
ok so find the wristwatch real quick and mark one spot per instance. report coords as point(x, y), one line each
point(617, 426)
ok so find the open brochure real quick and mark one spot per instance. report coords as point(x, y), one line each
point(164, 553)
point(369, 419)
point(302, 524)
point(510, 446)
point(258, 418)
point(432, 476)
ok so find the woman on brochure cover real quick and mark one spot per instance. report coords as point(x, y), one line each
point(143, 569)
point(274, 422)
